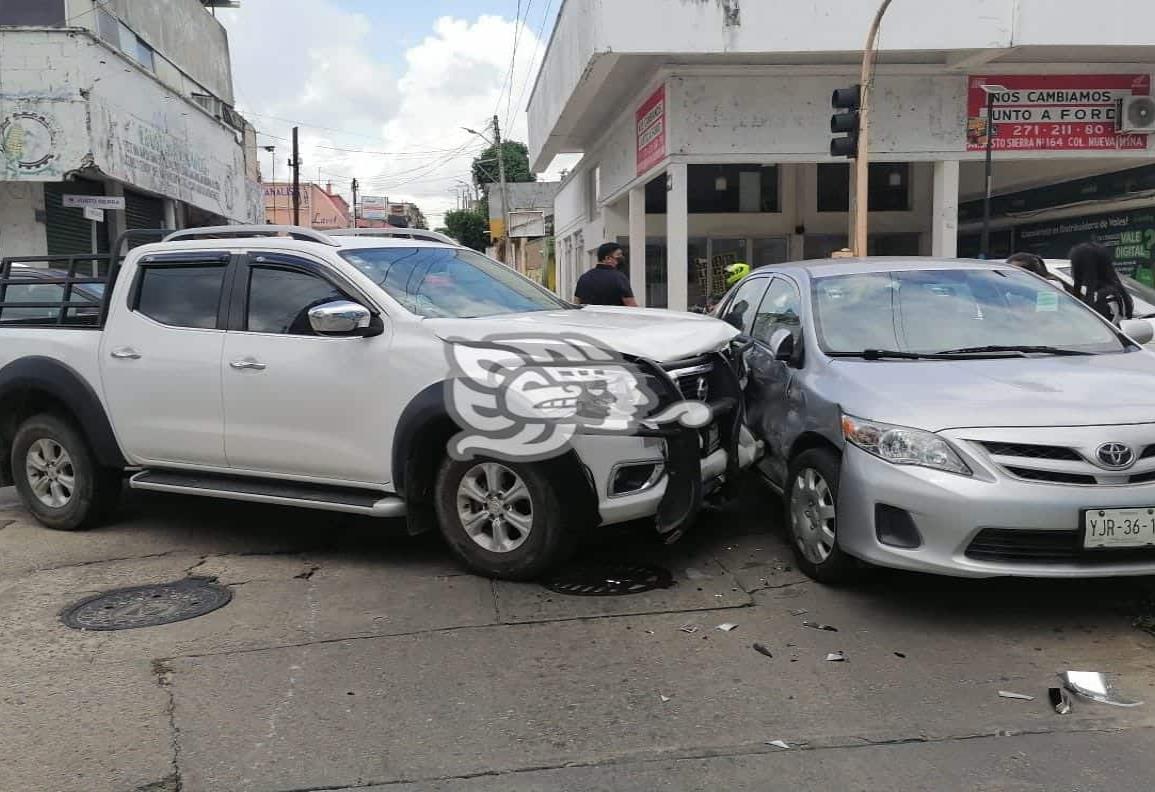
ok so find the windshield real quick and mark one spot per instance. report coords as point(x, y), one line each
point(1142, 294)
point(932, 311)
point(450, 282)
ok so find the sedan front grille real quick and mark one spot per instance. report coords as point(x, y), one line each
point(1044, 547)
point(1028, 451)
point(1053, 476)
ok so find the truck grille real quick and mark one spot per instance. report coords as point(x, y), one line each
point(693, 380)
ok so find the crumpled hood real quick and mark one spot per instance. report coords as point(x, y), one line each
point(654, 334)
point(1039, 391)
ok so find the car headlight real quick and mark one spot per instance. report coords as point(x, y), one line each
point(902, 445)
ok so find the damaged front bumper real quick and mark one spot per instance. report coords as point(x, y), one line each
point(667, 471)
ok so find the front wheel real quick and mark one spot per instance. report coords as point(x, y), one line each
point(812, 516)
point(58, 477)
point(503, 519)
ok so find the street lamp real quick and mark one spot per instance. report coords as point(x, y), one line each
point(991, 91)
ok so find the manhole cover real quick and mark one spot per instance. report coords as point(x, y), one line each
point(610, 580)
point(147, 606)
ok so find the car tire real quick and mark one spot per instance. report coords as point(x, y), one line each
point(503, 520)
point(811, 512)
point(58, 477)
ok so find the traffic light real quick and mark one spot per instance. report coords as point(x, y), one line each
point(846, 123)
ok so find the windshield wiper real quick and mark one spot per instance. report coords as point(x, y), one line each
point(883, 354)
point(1024, 349)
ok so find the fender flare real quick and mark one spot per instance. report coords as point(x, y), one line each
point(66, 385)
point(427, 418)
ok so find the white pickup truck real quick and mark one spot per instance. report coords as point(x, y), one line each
point(280, 365)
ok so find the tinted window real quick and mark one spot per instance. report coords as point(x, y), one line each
point(740, 310)
point(182, 296)
point(889, 189)
point(940, 310)
point(449, 282)
point(779, 311)
point(280, 300)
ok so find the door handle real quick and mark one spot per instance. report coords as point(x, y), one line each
point(248, 363)
point(125, 353)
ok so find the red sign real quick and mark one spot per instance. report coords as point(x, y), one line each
point(1054, 112)
point(651, 129)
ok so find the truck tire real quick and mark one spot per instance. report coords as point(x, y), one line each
point(504, 520)
point(58, 478)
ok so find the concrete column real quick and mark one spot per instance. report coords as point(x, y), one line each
point(944, 219)
point(638, 243)
point(678, 237)
point(170, 213)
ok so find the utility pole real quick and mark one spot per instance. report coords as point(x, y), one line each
point(355, 188)
point(296, 178)
point(504, 191)
point(862, 178)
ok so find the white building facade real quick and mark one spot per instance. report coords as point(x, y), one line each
point(704, 130)
point(119, 99)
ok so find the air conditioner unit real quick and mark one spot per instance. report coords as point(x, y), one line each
point(1136, 115)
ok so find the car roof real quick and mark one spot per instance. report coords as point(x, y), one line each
point(820, 268)
point(288, 244)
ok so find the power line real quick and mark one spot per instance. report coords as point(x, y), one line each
point(540, 38)
point(374, 153)
point(509, 73)
point(513, 63)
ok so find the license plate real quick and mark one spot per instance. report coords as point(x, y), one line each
point(1112, 528)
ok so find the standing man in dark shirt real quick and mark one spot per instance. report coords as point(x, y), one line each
point(605, 284)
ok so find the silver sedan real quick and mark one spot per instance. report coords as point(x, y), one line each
point(953, 417)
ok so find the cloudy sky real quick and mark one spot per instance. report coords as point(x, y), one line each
point(381, 90)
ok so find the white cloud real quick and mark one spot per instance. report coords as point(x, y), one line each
point(309, 61)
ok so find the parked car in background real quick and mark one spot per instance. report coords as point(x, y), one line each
point(952, 417)
point(394, 233)
point(1142, 294)
point(34, 295)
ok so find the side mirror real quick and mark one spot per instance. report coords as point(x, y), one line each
point(1138, 330)
point(342, 318)
point(782, 346)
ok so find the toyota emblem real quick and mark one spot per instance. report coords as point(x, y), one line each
point(1115, 456)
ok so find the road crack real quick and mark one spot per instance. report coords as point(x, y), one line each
point(164, 675)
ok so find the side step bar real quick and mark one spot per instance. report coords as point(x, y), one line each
point(274, 491)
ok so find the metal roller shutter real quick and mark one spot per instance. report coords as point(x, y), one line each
point(69, 232)
point(143, 211)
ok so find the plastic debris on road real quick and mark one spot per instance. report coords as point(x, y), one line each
point(664, 699)
point(836, 657)
point(1007, 694)
point(727, 627)
point(785, 746)
point(900, 654)
point(762, 649)
point(690, 628)
point(1095, 686)
point(817, 626)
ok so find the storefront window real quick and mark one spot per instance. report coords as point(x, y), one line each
point(769, 251)
point(733, 189)
point(889, 187)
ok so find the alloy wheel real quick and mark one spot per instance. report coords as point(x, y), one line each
point(812, 515)
point(51, 474)
point(495, 507)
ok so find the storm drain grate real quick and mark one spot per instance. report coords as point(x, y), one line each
point(610, 580)
point(147, 606)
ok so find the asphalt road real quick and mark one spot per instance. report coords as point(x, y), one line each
point(355, 657)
